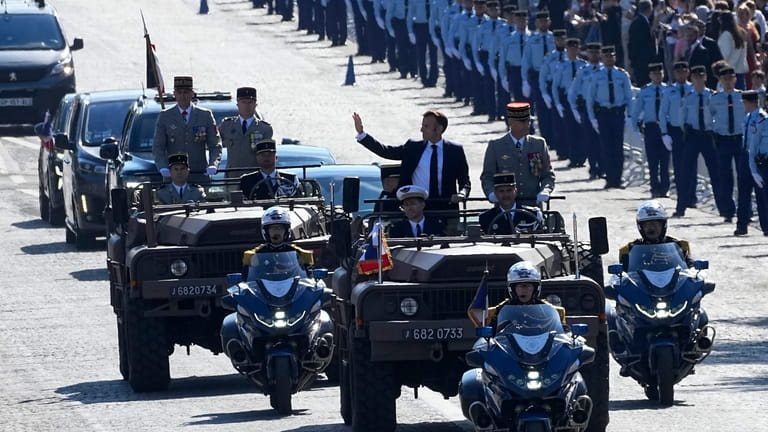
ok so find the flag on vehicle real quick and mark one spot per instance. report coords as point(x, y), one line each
point(44, 130)
point(478, 309)
point(154, 75)
point(375, 247)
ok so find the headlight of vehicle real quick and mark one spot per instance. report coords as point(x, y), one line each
point(92, 168)
point(179, 268)
point(554, 300)
point(661, 310)
point(533, 380)
point(409, 306)
point(64, 67)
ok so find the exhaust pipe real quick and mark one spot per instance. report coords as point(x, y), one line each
point(236, 352)
point(480, 417)
point(436, 353)
point(615, 343)
point(581, 411)
point(323, 349)
point(706, 338)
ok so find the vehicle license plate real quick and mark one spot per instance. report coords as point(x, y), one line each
point(428, 334)
point(193, 290)
point(13, 102)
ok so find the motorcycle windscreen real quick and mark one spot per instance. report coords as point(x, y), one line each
point(530, 326)
point(658, 263)
point(276, 271)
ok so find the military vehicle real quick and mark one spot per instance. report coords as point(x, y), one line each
point(410, 328)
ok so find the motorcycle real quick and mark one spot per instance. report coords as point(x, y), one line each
point(526, 378)
point(279, 335)
point(657, 330)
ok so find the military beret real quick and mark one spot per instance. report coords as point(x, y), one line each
point(573, 42)
point(594, 46)
point(390, 170)
point(698, 70)
point(520, 111)
point(412, 191)
point(681, 65)
point(655, 67)
point(266, 145)
point(182, 82)
point(178, 159)
point(522, 14)
point(608, 49)
point(542, 15)
point(503, 179)
point(726, 70)
point(246, 93)
point(749, 96)
point(559, 33)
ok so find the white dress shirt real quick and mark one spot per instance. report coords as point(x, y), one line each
point(421, 173)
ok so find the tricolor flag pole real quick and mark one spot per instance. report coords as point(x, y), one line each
point(576, 246)
point(485, 310)
point(152, 64)
point(378, 250)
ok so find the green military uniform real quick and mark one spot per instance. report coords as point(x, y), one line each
point(194, 137)
point(530, 164)
point(241, 152)
point(169, 194)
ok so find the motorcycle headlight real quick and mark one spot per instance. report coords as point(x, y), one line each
point(661, 310)
point(409, 306)
point(533, 380)
point(179, 268)
point(64, 67)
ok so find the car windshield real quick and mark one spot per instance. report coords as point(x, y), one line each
point(104, 120)
point(370, 187)
point(30, 32)
point(143, 127)
point(274, 266)
point(656, 257)
point(529, 320)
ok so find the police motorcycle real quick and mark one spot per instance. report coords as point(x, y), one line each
point(279, 336)
point(526, 377)
point(657, 330)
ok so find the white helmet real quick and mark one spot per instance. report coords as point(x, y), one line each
point(523, 272)
point(276, 215)
point(648, 211)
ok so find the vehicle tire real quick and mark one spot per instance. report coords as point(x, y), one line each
point(374, 391)
point(345, 372)
point(332, 371)
point(122, 349)
point(596, 376)
point(84, 241)
point(280, 396)
point(665, 377)
point(590, 264)
point(55, 214)
point(71, 237)
point(146, 349)
point(45, 205)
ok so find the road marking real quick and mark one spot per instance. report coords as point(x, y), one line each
point(17, 179)
point(30, 192)
point(24, 143)
point(7, 163)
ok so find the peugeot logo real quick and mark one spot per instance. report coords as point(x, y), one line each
point(12, 76)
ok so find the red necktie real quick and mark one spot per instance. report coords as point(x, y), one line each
point(184, 115)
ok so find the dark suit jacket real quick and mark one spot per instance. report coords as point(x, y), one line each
point(403, 229)
point(700, 57)
point(641, 48)
point(501, 226)
point(264, 190)
point(714, 54)
point(455, 167)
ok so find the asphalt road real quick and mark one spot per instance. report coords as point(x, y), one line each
point(58, 344)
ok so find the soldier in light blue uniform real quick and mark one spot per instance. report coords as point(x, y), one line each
point(697, 117)
point(728, 114)
point(577, 99)
point(646, 115)
point(467, 49)
point(511, 57)
point(395, 20)
point(507, 26)
point(756, 143)
point(538, 45)
point(484, 57)
point(754, 116)
point(459, 23)
point(548, 116)
point(671, 116)
point(570, 146)
point(417, 21)
point(607, 98)
point(445, 35)
point(373, 31)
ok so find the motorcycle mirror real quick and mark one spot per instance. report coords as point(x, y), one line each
point(701, 264)
point(587, 355)
point(228, 302)
point(610, 292)
point(234, 278)
point(320, 273)
point(579, 329)
point(708, 287)
point(615, 269)
point(484, 332)
point(474, 358)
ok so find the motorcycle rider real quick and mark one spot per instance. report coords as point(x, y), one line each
point(652, 223)
point(524, 288)
point(276, 228)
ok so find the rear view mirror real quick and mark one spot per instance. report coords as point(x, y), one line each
point(598, 235)
point(234, 278)
point(119, 199)
point(701, 264)
point(474, 359)
point(484, 332)
point(62, 142)
point(109, 150)
point(77, 44)
point(351, 199)
point(615, 269)
point(579, 329)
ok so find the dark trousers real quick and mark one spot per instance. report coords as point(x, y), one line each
point(479, 92)
point(611, 124)
point(516, 84)
point(543, 114)
point(729, 151)
point(375, 34)
point(284, 8)
point(392, 54)
point(696, 143)
point(424, 45)
point(406, 61)
point(745, 185)
point(572, 144)
point(360, 28)
point(319, 20)
point(591, 142)
point(502, 99)
point(463, 88)
point(762, 199)
point(657, 157)
point(336, 21)
point(305, 14)
point(678, 143)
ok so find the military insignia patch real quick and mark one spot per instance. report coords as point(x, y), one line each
point(505, 157)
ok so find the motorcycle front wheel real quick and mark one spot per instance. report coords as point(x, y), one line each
point(665, 375)
point(280, 397)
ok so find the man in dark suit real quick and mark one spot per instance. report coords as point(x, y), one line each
point(390, 177)
point(505, 217)
point(267, 182)
point(438, 166)
point(413, 199)
point(713, 52)
point(641, 45)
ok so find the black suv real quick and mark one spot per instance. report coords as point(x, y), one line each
point(96, 117)
point(36, 66)
point(49, 167)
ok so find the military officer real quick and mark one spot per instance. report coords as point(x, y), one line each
point(467, 50)
point(538, 45)
point(754, 115)
point(179, 191)
point(756, 141)
point(413, 200)
point(671, 118)
point(505, 217)
point(267, 182)
point(549, 67)
point(187, 128)
point(525, 156)
point(417, 22)
point(571, 146)
point(485, 57)
point(646, 113)
point(239, 134)
point(607, 100)
point(511, 56)
point(577, 99)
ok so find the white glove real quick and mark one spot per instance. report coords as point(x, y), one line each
point(380, 23)
point(595, 127)
point(165, 172)
point(547, 100)
point(560, 110)
point(480, 69)
point(526, 89)
point(505, 84)
point(211, 170)
point(667, 140)
point(758, 179)
point(576, 116)
point(412, 38)
point(542, 196)
point(467, 65)
point(494, 74)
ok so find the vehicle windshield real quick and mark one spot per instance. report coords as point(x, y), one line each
point(274, 266)
point(370, 188)
point(143, 127)
point(30, 32)
point(529, 320)
point(656, 257)
point(104, 120)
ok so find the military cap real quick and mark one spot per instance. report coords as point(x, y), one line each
point(503, 179)
point(749, 96)
point(509, 8)
point(522, 14)
point(390, 170)
point(655, 67)
point(266, 145)
point(594, 46)
point(479, 2)
point(246, 93)
point(178, 158)
point(681, 65)
point(573, 42)
point(412, 191)
point(726, 70)
point(492, 3)
point(559, 33)
point(542, 15)
point(182, 82)
point(608, 49)
point(520, 111)
point(698, 70)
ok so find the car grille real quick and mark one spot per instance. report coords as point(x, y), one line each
point(202, 263)
point(22, 75)
point(436, 303)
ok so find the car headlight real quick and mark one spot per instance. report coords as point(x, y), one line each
point(64, 67)
point(409, 306)
point(179, 268)
point(92, 168)
point(554, 300)
point(661, 310)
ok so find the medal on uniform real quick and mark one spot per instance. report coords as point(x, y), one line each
point(534, 163)
point(200, 133)
point(505, 157)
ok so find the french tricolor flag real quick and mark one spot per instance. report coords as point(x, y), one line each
point(369, 261)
